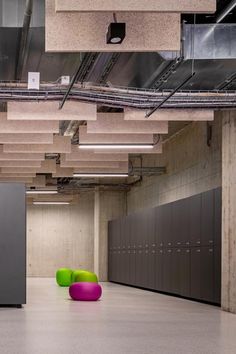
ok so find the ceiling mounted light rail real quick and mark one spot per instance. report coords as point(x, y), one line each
point(51, 203)
point(98, 175)
point(115, 146)
point(225, 12)
point(35, 191)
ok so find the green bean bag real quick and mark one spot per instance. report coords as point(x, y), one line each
point(63, 276)
point(85, 276)
point(75, 273)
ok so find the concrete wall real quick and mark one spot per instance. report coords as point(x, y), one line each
point(60, 236)
point(108, 205)
point(192, 167)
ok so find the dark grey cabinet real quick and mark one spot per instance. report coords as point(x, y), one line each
point(12, 244)
point(174, 248)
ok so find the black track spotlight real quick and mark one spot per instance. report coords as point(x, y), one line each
point(116, 33)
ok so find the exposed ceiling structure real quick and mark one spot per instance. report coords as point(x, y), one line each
point(136, 93)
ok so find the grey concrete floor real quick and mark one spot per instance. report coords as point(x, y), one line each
point(126, 320)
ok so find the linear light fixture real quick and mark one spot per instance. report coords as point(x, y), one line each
point(35, 191)
point(51, 203)
point(115, 146)
point(100, 175)
point(226, 11)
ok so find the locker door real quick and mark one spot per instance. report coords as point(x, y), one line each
point(168, 270)
point(207, 218)
point(159, 230)
point(116, 232)
point(194, 221)
point(151, 270)
point(207, 274)
point(166, 225)
point(125, 249)
point(159, 269)
point(120, 251)
point(132, 248)
point(139, 276)
point(195, 276)
point(110, 251)
point(217, 215)
point(150, 248)
point(185, 272)
point(217, 274)
point(176, 270)
point(180, 224)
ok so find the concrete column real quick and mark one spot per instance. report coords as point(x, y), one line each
point(229, 211)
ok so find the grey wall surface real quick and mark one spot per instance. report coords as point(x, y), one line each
point(12, 244)
point(60, 236)
point(192, 167)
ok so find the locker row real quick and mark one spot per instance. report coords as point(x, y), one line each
point(194, 221)
point(189, 272)
point(174, 248)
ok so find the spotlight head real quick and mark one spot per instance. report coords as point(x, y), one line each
point(116, 33)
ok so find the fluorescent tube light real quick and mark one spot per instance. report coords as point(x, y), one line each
point(226, 11)
point(116, 146)
point(51, 203)
point(35, 191)
point(100, 175)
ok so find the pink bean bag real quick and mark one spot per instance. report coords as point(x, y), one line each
point(85, 291)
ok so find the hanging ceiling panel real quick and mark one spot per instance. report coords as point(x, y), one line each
point(114, 123)
point(31, 138)
point(183, 6)
point(79, 155)
point(61, 144)
point(45, 111)
point(79, 32)
point(20, 163)
point(86, 138)
point(7, 126)
point(170, 115)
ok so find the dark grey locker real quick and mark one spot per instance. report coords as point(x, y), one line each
point(151, 269)
point(168, 270)
point(110, 251)
point(180, 222)
point(158, 227)
point(159, 269)
point(132, 249)
point(122, 250)
point(151, 248)
point(12, 244)
point(132, 267)
point(217, 215)
point(125, 250)
point(116, 247)
point(194, 221)
point(176, 270)
point(185, 272)
point(166, 225)
point(195, 276)
point(207, 218)
point(207, 274)
point(217, 274)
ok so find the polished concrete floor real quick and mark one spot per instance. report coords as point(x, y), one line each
point(126, 320)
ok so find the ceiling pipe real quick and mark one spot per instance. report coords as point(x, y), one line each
point(24, 39)
point(226, 11)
